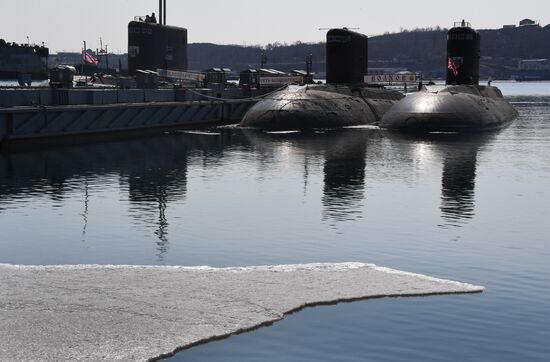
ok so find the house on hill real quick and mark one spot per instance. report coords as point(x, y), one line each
point(527, 22)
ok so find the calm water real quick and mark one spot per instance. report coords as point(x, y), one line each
point(470, 208)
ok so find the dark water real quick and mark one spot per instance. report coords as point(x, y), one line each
point(469, 208)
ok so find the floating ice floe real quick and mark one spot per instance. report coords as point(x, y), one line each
point(138, 313)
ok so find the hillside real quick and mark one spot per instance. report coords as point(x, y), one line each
point(418, 50)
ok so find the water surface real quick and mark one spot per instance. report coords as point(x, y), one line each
point(470, 208)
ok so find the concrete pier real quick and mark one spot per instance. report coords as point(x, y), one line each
point(35, 115)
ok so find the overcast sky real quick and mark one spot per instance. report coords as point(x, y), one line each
point(64, 24)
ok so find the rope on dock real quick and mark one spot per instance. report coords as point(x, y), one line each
point(236, 99)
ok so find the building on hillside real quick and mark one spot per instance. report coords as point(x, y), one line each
point(527, 22)
point(534, 64)
point(533, 69)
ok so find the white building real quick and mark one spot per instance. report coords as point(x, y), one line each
point(534, 64)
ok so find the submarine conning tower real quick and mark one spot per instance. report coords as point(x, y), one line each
point(153, 45)
point(463, 54)
point(347, 56)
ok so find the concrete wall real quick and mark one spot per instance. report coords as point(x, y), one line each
point(52, 97)
point(19, 97)
point(196, 94)
point(41, 123)
point(131, 96)
point(159, 95)
point(98, 97)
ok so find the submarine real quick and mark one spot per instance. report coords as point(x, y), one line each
point(345, 100)
point(461, 105)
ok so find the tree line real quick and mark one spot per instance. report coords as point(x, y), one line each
point(420, 49)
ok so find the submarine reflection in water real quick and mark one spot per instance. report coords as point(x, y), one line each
point(458, 183)
point(461, 105)
point(344, 177)
point(343, 157)
point(459, 155)
point(345, 154)
point(153, 174)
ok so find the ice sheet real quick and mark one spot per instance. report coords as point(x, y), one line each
point(127, 313)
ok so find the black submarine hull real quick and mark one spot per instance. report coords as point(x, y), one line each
point(320, 106)
point(451, 109)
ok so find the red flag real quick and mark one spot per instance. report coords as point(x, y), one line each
point(89, 58)
point(451, 65)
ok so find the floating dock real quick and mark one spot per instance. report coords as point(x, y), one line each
point(59, 115)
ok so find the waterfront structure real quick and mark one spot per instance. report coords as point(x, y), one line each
point(50, 116)
point(154, 100)
point(533, 70)
point(23, 59)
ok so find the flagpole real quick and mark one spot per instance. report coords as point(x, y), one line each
point(82, 56)
point(99, 53)
point(84, 61)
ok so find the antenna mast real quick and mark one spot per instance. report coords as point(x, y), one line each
point(160, 11)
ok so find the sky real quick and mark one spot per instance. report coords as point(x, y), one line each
point(64, 24)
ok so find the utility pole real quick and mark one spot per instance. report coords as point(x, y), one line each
point(263, 60)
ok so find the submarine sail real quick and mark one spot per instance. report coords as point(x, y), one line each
point(347, 59)
point(463, 55)
point(153, 45)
